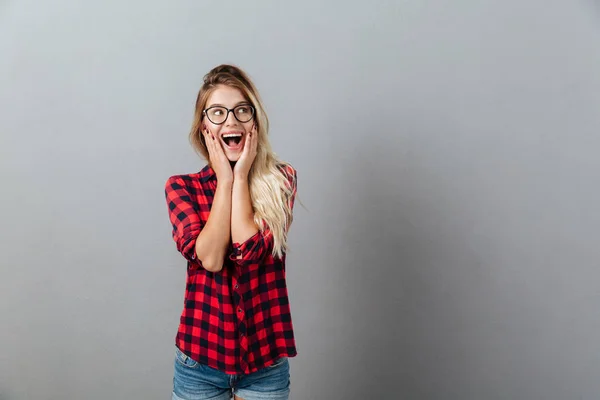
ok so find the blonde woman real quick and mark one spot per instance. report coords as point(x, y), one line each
point(230, 222)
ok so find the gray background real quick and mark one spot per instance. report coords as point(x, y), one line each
point(447, 155)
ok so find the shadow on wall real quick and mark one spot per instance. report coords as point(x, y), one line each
point(397, 306)
point(595, 5)
point(385, 251)
point(383, 254)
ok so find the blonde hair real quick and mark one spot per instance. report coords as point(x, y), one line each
point(271, 183)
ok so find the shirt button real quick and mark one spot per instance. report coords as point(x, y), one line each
point(236, 286)
point(239, 310)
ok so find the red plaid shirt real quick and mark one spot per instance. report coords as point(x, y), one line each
point(236, 320)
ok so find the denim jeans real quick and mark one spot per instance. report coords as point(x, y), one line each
point(195, 381)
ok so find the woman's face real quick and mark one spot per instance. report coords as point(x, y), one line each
point(230, 131)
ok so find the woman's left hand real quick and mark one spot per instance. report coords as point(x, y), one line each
point(242, 166)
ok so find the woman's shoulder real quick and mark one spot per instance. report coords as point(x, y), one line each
point(288, 169)
point(290, 174)
point(191, 179)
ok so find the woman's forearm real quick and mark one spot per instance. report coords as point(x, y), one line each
point(242, 214)
point(213, 241)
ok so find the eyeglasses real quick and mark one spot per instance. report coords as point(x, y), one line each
point(218, 114)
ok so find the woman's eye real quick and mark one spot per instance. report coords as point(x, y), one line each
point(242, 110)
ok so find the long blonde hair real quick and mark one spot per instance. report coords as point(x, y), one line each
point(269, 179)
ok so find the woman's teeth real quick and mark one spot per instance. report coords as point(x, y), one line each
point(232, 138)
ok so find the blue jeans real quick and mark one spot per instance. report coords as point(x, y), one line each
point(195, 381)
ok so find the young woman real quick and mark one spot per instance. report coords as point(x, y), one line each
point(230, 222)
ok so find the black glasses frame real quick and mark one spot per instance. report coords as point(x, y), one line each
point(205, 112)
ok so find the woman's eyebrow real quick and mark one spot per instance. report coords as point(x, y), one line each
point(236, 104)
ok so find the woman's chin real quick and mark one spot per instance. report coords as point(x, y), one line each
point(233, 156)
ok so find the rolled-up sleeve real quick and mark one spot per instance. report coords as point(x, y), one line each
point(254, 250)
point(184, 217)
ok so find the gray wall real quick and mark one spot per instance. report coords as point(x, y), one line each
point(448, 160)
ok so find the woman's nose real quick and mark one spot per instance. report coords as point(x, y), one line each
point(230, 120)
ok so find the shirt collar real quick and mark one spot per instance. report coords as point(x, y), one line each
point(207, 174)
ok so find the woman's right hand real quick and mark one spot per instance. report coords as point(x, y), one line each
point(218, 160)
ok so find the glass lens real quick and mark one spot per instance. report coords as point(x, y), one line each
point(217, 115)
point(244, 112)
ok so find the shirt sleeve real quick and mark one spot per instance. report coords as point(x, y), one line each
point(256, 248)
point(185, 218)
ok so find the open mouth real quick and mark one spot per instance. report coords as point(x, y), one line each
point(232, 139)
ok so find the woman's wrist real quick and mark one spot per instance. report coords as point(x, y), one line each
point(225, 186)
point(240, 177)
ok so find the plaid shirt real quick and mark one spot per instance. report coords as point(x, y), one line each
point(236, 320)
